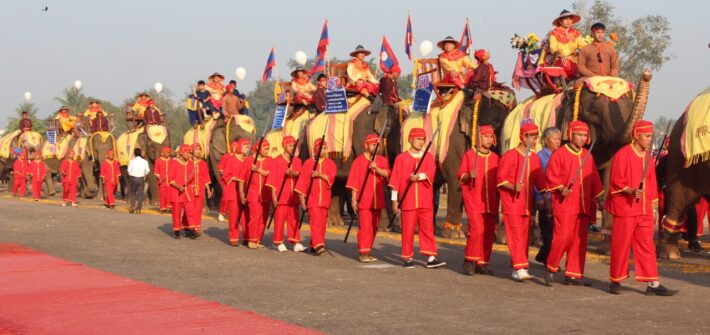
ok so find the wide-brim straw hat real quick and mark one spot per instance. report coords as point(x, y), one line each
point(448, 39)
point(565, 13)
point(360, 49)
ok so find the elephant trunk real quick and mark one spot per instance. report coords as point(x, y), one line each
point(639, 104)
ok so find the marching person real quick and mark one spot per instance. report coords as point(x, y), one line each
point(372, 200)
point(221, 166)
point(551, 138)
point(322, 177)
point(360, 78)
point(232, 192)
point(70, 171)
point(516, 195)
point(200, 186)
point(565, 41)
point(456, 67)
point(38, 171)
point(632, 193)
point(573, 207)
point(258, 197)
point(181, 172)
point(302, 87)
point(599, 58)
point(418, 204)
point(477, 173)
point(138, 169)
point(110, 172)
point(19, 175)
point(285, 204)
point(161, 174)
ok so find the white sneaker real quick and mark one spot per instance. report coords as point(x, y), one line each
point(282, 248)
point(220, 218)
point(524, 275)
point(64, 204)
point(298, 247)
point(215, 116)
point(516, 276)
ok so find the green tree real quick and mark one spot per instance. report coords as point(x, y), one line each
point(663, 127)
point(176, 118)
point(73, 99)
point(642, 44)
point(261, 103)
point(37, 124)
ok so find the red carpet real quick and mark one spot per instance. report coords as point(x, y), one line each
point(41, 294)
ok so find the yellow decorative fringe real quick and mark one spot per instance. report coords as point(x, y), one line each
point(575, 115)
point(474, 123)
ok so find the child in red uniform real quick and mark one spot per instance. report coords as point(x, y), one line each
point(477, 174)
point(373, 195)
point(38, 171)
point(285, 200)
point(200, 186)
point(19, 175)
point(110, 172)
point(161, 173)
point(231, 191)
point(258, 197)
point(180, 174)
point(70, 171)
point(418, 204)
point(220, 177)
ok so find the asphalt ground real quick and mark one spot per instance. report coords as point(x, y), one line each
point(339, 295)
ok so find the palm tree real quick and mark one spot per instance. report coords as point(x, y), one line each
point(29, 107)
point(74, 100)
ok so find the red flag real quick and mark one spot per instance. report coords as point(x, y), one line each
point(388, 61)
point(409, 38)
point(270, 64)
point(466, 42)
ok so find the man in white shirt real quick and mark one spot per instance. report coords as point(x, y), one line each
point(138, 169)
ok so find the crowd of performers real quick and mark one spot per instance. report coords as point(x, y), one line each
point(560, 180)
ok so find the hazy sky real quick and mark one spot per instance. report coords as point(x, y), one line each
point(119, 47)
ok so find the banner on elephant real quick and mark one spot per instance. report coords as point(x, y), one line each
point(335, 99)
point(279, 117)
point(422, 95)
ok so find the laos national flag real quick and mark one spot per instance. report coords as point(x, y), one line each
point(408, 38)
point(387, 58)
point(270, 64)
point(318, 65)
point(466, 38)
point(323, 42)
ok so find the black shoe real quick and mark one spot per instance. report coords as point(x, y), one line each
point(615, 288)
point(408, 264)
point(131, 211)
point(660, 291)
point(469, 268)
point(550, 278)
point(575, 281)
point(483, 270)
point(695, 246)
point(177, 235)
point(593, 229)
point(320, 251)
point(435, 264)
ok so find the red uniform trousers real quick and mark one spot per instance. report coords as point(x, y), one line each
point(181, 213)
point(223, 207)
point(19, 186)
point(288, 214)
point(633, 232)
point(455, 78)
point(198, 204)
point(234, 210)
point(481, 233)
point(69, 192)
point(317, 219)
point(702, 209)
point(424, 218)
point(258, 214)
point(164, 195)
point(36, 188)
point(367, 230)
point(517, 229)
point(110, 189)
point(570, 237)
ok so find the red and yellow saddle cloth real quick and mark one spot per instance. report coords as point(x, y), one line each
point(695, 141)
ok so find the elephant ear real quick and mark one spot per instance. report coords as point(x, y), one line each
point(377, 105)
point(381, 118)
point(466, 118)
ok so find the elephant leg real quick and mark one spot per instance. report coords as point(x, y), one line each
point(667, 247)
point(453, 227)
point(49, 183)
point(334, 218)
point(153, 193)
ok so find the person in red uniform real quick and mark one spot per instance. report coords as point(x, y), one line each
point(180, 174)
point(418, 204)
point(323, 177)
point(220, 177)
point(484, 77)
point(38, 171)
point(231, 192)
point(70, 171)
point(373, 194)
point(631, 197)
point(257, 195)
point(477, 173)
point(161, 173)
point(200, 186)
point(110, 172)
point(516, 196)
point(19, 175)
point(285, 200)
point(573, 207)
point(25, 123)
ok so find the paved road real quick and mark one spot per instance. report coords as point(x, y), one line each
point(338, 295)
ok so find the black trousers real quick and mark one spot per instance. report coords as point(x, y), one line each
point(136, 186)
point(546, 229)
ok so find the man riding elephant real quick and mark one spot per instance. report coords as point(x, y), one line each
point(360, 78)
point(302, 87)
point(565, 41)
point(457, 68)
point(599, 58)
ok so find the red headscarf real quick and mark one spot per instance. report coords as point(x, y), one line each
point(528, 129)
point(240, 145)
point(317, 144)
point(166, 150)
point(579, 127)
point(488, 130)
point(184, 148)
point(196, 146)
point(233, 147)
point(417, 133)
point(372, 139)
point(288, 140)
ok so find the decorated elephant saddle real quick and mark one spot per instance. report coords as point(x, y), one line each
point(611, 87)
point(157, 133)
point(125, 144)
point(339, 128)
point(695, 141)
point(59, 149)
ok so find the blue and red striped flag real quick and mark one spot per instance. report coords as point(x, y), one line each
point(409, 38)
point(388, 60)
point(270, 65)
point(323, 42)
point(318, 65)
point(466, 42)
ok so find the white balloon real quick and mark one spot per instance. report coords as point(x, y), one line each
point(77, 84)
point(28, 95)
point(425, 48)
point(241, 73)
point(384, 56)
point(301, 58)
point(158, 87)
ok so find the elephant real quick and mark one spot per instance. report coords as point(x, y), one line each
point(151, 151)
point(98, 144)
point(29, 141)
point(684, 186)
point(218, 148)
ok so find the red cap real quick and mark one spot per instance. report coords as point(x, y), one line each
point(417, 133)
point(579, 127)
point(372, 139)
point(288, 140)
point(233, 147)
point(230, 88)
point(642, 127)
point(240, 144)
point(166, 150)
point(109, 152)
point(487, 130)
point(184, 148)
point(528, 129)
point(480, 54)
point(317, 145)
point(196, 146)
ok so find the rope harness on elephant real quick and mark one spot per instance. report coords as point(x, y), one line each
point(91, 144)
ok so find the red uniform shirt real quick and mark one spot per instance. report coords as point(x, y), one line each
point(277, 173)
point(37, 169)
point(223, 164)
point(626, 171)
point(161, 169)
point(509, 169)
point(257, 190)
point(373, 195)
point(110, 171)
point(562, 167)
point(202, 178)
point(421, 193)
point(230, 177)
point(480, 194)
point(182, 174)
point(320, 191)
point(19, 169)
point(70, 171)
